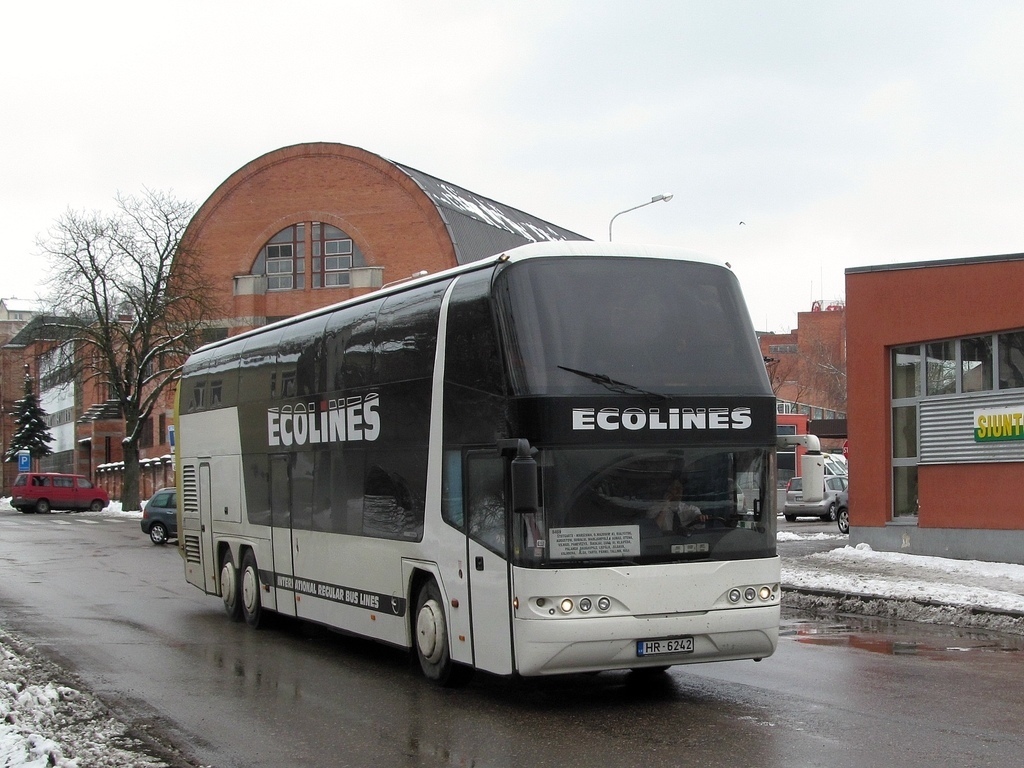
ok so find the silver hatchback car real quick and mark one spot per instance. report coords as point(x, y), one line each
point(826, 509)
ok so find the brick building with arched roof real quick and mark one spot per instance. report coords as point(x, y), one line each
point(311, 225)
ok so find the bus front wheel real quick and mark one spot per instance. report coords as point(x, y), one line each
point(229, 590)
point(252, 607)
point(431, 641)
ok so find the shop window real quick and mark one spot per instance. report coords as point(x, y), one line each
point(904, 432)
point(904, 492)
point(1011, 360)
point(907, 392)
point(976, 364)
point(940, 368)
point(906, 372)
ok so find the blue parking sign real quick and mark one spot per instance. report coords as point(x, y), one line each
point(24, 461)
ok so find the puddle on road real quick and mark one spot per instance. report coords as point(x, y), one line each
point(892, 638)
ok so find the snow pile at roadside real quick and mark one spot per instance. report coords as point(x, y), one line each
point(44, 723)
point(790, 536)
point(114, 508)
point(931, 589)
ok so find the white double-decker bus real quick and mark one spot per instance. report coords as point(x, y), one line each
point(559, 459)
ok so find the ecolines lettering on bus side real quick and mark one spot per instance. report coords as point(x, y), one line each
point(660, 418)
point(343, 420)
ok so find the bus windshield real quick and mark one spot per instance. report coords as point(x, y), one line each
point(608, 505)
point(586, 325)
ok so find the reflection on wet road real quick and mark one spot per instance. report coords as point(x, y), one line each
point(895, 638)
point(842, 692)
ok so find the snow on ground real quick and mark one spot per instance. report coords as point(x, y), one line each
point(936, 590)
point(862, 570)
point(45, 720)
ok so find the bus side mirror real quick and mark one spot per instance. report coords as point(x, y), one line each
point(523, 475)
point(524, 484)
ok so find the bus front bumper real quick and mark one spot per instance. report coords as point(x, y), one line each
point(562, 646)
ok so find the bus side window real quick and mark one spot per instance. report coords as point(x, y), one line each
point(452, 509)
point(485, 496)
point(392, 509)
point(280, 491)
point(257, 488)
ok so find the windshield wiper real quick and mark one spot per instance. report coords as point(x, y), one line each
point(622, 387)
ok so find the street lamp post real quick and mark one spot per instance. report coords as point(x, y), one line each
point(655, 199)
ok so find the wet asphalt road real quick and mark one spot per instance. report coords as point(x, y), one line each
point(95, 593)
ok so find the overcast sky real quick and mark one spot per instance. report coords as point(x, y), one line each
point(840, 134)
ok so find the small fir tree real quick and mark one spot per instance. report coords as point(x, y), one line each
point(31, 434)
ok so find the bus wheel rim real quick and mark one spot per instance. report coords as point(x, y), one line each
point(250, 591)
point(430, 631)
point(227, 581)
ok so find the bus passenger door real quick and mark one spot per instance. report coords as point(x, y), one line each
point(210, 569)
point(281, 534)
point(489, 583)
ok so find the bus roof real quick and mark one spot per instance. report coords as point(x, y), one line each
point(543, 249)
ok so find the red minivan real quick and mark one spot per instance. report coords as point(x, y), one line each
point(43, 491)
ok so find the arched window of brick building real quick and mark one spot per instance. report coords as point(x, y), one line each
point(334, 256)
point(283, 261)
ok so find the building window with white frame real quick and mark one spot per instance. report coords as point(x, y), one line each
point(333, 253)
point(283, 260)
point(906, 372)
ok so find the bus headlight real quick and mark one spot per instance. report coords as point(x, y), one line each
point(585, 604)
point(566, 605)
point(603, 604)
point(765, 593)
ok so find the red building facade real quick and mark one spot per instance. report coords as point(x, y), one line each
point(936, 407)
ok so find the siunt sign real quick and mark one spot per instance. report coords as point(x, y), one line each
point(999, 424)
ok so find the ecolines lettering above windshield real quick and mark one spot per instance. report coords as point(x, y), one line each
point(660, 418)
point(332, 421)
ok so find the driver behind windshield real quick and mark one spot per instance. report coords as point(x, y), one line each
point(673, 514)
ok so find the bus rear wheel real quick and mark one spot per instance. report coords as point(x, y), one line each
point(252, 606)
point(431, 640)
point(229, 588)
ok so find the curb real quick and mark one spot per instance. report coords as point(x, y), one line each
point(973, 610)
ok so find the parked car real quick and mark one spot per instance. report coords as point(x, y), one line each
point(843, 511)
point(836, 464)
point(160, 516)
point(826, 509)
point(42, 491)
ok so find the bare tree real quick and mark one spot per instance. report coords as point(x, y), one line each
point(130, 320)
point(784, 371)
point(825, 364)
